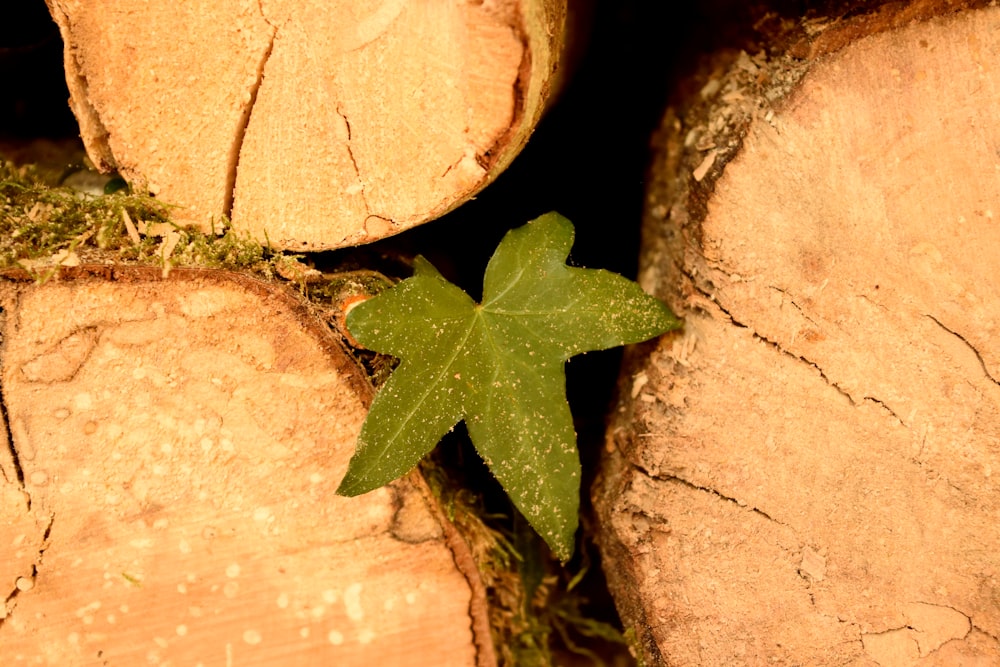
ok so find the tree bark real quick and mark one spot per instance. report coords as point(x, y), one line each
point(168, 489)
point(313, 125)
point(804, 475)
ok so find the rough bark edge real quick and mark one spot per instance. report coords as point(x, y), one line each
point(865, 18)
point(785, 51)
point(680, 182)
point(478, 606)
point(552, 33)
point(611, 483)
point(11, 285)
point(92, 130)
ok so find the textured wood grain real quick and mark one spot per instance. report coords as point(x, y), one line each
point(805, 475)
point(168, 492)
point(312, 125)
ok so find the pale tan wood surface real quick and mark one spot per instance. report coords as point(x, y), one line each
point(807, 474)
point(168, 493)
point(313, 125)
point(163, 92)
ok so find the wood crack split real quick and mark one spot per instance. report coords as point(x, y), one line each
point(14, 458)
point(691, 485)
point(777, 346)
point(972, 626)
point(354, 162)
point(885, 407)
point(714, 492)
point(927, 626)
point(956, 610)
point(5, 423)
point(795, 305)
point(23, 584)
point(809, 362)
point(241, 130)
point(962, 338)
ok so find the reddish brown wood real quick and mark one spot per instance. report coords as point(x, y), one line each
point(807, 473)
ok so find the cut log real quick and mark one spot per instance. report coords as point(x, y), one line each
point(805, 474)
point(313, 125)
point(169, 488)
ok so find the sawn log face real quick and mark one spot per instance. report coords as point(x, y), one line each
point(169, 489)
point(807, 474)
point(311, 125)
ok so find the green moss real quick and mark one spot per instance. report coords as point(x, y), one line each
point(634, 646)
point(537, 613)
point(42, 225)
point(226, 251)
point(38, 221)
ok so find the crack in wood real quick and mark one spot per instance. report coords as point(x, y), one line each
point(719, 494)
point(957, 611)
point(777, 346)
point(925, 633)
point(10, 601)
point(979, 357)
point(354, 162)
point(995, 637)
point(241, 130)
point(774, 344)
point(872, 399)
point(5, 421)
point(797, 307)
point(14, 458)
point(881, 404)
point(63, 360)
point(668, 477)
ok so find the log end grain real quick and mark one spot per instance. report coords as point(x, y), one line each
point(168, 492)
point(311, 127)
point(806, 473)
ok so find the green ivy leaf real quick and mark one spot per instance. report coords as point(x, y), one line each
point(499, 365)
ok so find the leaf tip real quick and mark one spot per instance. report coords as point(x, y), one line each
point(563, 552)
point(423, 267)
point(348, 489)
point(355, 484)
point(665, 318)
